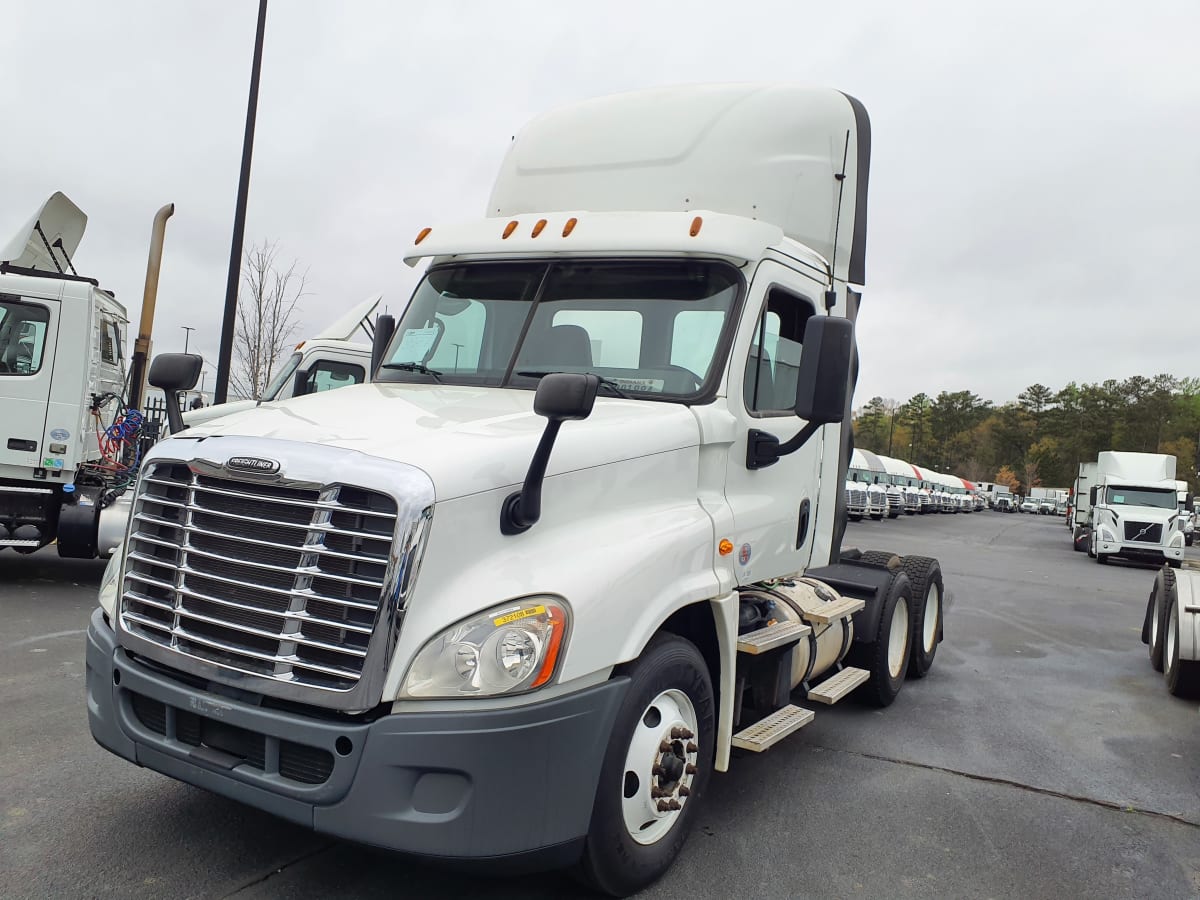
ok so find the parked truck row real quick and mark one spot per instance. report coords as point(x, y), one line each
point(577, 539)
point(880, 487)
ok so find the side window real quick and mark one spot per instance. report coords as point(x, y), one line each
point(773, 367)
point(327, 374)
point(22, 336)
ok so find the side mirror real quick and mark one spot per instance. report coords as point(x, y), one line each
point(300, 383)
point(172, 373)
point(560, 397)
point(385, 327)
point(824, 375)
point(822, 387)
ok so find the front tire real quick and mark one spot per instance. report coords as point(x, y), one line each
point(647, 795)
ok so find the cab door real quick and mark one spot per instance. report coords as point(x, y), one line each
point(28, 330)
point(774, 508)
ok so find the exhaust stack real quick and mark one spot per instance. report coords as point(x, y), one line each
point(141, 348)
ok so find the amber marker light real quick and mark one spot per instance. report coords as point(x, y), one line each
point(570, 226)
point(422, 234)
point(696, 223)
point(725, 547)
point(537, 229)
point(558, 625)
point(509, 229)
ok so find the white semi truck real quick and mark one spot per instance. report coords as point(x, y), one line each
point(1081, 506)
point(578, 541)
point(1134, 512)
point(1185, 502)
point(69, 439)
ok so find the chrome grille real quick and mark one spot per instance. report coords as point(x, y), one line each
point(1148, 532)
point(281, 582)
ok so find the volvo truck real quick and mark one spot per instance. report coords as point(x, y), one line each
point(1134, 513)
point(580, 539)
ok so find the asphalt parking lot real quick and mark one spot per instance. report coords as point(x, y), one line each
point(1042, 757)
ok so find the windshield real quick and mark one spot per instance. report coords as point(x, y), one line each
point(1131, 496)
point(655, 329)
point(277, 383)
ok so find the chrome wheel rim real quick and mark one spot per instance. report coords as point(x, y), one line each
point(1172, 637)
point(898, 638)
point(660, 767)
point(933, 612)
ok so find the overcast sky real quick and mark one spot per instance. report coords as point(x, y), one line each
point(1035, 180)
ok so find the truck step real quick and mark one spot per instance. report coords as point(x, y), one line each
point(774, 728)
point(777, 635)
point(13, 542)
point(831, 690)
point(838, 609)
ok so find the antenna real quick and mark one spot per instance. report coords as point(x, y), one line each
point(831, 294)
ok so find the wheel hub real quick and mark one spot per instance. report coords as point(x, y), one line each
point(660, 766)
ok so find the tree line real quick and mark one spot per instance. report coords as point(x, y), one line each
point(1042, 436)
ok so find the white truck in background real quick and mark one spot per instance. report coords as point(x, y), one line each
point(578, 539)
point(1134, 509)
point(328, 360)
point(1081, 506)
point(1186, 504)
point(68, 441)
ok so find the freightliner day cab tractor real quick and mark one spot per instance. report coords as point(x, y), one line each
point(1134, 510)
point(577, 541)
point(68, 438)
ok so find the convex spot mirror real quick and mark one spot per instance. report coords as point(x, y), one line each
point(824, 375)
point(175, 371)
point(566, 395)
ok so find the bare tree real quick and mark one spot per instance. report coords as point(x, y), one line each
point(266, 320)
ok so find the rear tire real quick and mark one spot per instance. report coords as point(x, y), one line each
point(1182, 676)
point(1164, 583)
point(887, 657)
point(630, 842)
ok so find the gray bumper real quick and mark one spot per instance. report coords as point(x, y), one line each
point(471, 785)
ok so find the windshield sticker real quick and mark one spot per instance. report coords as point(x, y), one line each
point(652, 385)
point(1118, 498)
point(415, 345)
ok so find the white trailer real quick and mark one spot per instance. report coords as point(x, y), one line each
point(69, 441)
point(1185, 503)
point(578, 540)
point(1134, 512)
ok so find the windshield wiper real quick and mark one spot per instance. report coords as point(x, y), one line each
point(415, 367)
point(604, 382)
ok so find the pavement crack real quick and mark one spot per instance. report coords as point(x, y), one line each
point(1033, 789)
point(276, 870)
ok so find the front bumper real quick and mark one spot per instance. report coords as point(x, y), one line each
point(476, 784)
point(1138, 551)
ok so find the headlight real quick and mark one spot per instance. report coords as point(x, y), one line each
point(506, 650)
point(108, 584)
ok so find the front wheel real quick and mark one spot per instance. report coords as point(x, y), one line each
point(656, 768)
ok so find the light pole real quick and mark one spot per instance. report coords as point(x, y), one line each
point(187, 329)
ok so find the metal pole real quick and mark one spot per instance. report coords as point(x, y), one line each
point(187, 335)
point(221, 389)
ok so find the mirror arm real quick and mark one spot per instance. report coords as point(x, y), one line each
point(763, 448)
point(523, 508)
point(174, 416)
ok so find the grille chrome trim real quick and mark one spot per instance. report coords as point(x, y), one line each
point(292, 587)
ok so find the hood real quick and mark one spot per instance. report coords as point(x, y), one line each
point(467, 439)
point(206, 414)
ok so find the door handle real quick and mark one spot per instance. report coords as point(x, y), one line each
point(802, 525)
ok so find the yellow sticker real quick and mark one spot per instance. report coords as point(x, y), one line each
point(518, 615)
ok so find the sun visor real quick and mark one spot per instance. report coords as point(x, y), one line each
point(48, 241)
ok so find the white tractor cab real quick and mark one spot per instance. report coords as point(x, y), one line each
point(69, 442)
point(865, 469)
point(856, 500)
point(1171, 628)
point(331, 359)
point(901, 478)
point(1134, 508)
point(1186, 503)
point(881, 476)
point(520, 596)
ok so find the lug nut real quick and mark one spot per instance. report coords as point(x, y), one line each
point(682, 733)
point(664, 806)
point(659, 771)
point(690, 769)
point(692, 747)
point(674, 804)
point(656, 792)
point(685, 791)
point(665, 747)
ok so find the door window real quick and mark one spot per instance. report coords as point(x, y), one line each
point(23, 327)
point(773, 366)
point(328, 374)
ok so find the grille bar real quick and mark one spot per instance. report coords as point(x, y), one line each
point(283, 581)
